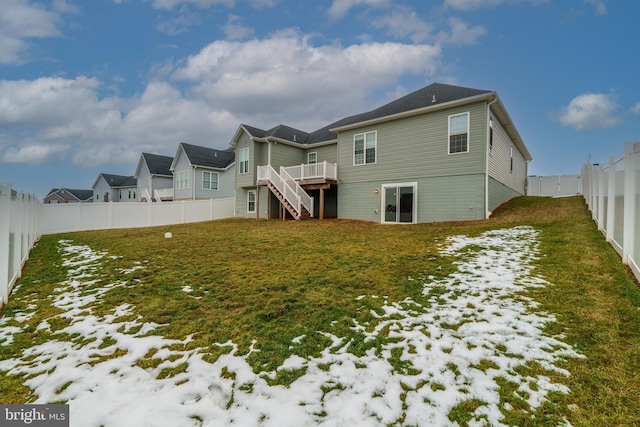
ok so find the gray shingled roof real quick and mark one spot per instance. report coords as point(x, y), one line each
point(208, 157)
point(157, 164)
point(119, 180)
point(434, 94)
point(281, 131)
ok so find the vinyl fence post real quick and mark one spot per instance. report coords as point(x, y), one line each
point(5, 211)
point(631, 172)
point(611, 200)
point(601, 192)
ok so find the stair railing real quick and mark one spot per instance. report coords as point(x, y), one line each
point(305, 199)
point(268, 173)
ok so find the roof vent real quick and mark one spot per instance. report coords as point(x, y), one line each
point(215, 154)
point(433, 99)
point(294, 137)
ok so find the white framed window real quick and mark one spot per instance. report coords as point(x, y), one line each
point(251, 201)
point(244, 160)
point(312, 158)
point(210, 180)
point(459, 133)
point(182, 180)
point(364, 148)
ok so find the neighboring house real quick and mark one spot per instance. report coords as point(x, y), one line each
point(114, 188)
point(154, 178)
point(203, 173)
point(68, 195)
point(440, 153)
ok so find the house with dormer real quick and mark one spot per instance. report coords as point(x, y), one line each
point(441, 153)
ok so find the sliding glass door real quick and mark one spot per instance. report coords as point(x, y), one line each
point(399, 203)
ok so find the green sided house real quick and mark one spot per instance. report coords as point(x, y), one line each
point(441, 153)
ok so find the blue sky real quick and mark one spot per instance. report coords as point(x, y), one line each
point(85, 87)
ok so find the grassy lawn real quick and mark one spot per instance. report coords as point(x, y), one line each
point(264, 284)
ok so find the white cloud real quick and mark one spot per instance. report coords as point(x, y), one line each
point(21, 21)
point(590, 111)
point(52, 118)
point(600, 5)
point(636, 108)
point(34, 154)
point(478, 4)
point(403, 22)
point(235, 29)
point(339, 8)
point(170, 4)
point(461, 33)
point(471, 4)
point(180, 23)
point(310, 84)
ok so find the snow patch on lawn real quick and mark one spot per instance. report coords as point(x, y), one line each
point(475, 331)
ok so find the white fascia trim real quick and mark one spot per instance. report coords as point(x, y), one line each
point(294, 144)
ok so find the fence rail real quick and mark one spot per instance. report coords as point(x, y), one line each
point(19, 230)
point(612, 193)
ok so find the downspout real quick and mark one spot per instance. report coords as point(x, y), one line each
point(193, 187)
point(268, 151)
point(486, 166)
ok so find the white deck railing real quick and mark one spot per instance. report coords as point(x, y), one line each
point(305, 199)
point(323, 170)
point(163, 194)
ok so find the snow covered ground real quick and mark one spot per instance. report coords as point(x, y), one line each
point(477, 328)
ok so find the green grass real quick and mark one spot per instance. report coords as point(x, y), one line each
point(273, 281)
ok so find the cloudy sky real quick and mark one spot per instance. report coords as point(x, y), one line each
point(85, 87)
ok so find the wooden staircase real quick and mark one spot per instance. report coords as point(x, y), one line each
point(290, 194)
point(304, 213)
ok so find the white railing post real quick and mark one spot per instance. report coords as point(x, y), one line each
point(5, 210)
point(631, 171)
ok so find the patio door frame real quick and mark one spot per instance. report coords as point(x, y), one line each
point(397, 203)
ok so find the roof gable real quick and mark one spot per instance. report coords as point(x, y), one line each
point(115, 181)
point(70, 194)
point(157, 164)
point(207, 157)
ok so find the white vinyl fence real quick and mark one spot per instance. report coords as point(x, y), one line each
point(23, 219)
point(19, 230)
point(554, 185)
point(62, 218)
point(612, 192)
